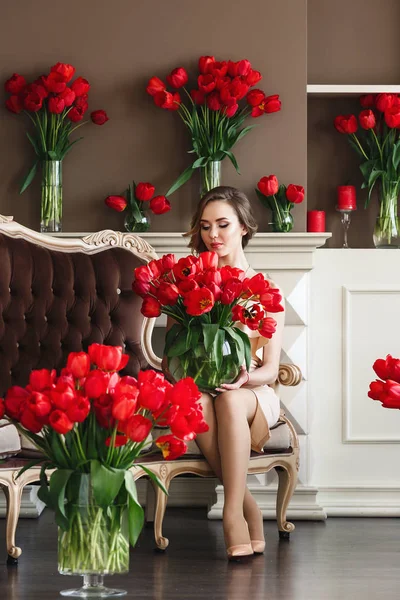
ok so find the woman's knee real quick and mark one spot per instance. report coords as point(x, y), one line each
point(207, 403)
point(228, 402)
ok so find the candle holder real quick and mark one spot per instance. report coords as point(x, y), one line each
point(345, 219)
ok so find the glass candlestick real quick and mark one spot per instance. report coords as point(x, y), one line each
point(345, 219)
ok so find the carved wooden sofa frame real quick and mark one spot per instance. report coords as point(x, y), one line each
point(285, 461)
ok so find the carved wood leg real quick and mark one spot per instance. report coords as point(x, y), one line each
point(287, 483)
point(13, 494)
point(161, 504)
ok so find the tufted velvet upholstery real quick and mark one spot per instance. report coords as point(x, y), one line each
point(54, 302)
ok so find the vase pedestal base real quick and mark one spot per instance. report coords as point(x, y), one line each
point(93, 587)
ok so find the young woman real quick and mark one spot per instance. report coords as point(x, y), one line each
point(239, 414)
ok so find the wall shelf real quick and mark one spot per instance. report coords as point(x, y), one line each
point(337, 89)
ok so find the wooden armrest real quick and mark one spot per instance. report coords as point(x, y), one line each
point(147, 331)
point(289, 375)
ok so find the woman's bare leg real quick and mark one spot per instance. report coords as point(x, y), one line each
point(208, 444)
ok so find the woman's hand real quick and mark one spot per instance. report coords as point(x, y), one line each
point(241, 380)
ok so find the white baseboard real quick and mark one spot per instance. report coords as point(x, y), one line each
point(31, 506)
point(365, 501)
point(303, 504)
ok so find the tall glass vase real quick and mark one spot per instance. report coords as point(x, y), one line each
point(95, 543)
point(210, 176)
point(51, 204)
point(386, 232)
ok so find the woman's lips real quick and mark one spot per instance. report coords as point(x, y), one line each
point(216, 245)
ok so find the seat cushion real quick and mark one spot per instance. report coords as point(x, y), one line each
point(279, 441)
point(9, 440)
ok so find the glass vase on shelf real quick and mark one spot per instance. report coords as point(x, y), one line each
point(282, 221)
point(386, 231)
point(95, 543)
point(209, 368)
point(210, 176)
point(136, 224)
point(51, 201)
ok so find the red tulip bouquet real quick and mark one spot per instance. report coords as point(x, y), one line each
point(214, 112)
point(91, 425)
point(135, 202)
point(387, 391)
point(280, 200)
point(206, 302)
point(378, 146)
point(56, 107)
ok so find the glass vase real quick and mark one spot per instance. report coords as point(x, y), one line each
point(282, 222)
point(137, 226)
point(96, 543)
point(203, 366)
point(210, 176)
point(386, 231)
point(51, 202)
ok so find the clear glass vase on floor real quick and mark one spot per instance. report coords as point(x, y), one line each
point(51, 202)
point(96, 543)
point(210, 176)
point(386, 232)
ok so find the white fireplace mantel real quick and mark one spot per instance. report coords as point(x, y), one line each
point(293, 251)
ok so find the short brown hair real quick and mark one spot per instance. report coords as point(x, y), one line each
point(239, 202)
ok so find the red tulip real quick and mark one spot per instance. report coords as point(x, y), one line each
point(66, 71)
point(76, 114)
point(15, 84)
point(185, 268)
point(144, 191)
point(272, 104)
point(54, 82)
point(41, 379)
point(62, 395)
point(99, 117)
point(33, 102)
point(167, 293)
point(80, 86)
point(346, 124)
point(155, 85)
point(367, 100)
point(255, 97)
point(39, 404)
point(213, 101)
point(199, 302)
point(171, 447)
point(392, 116)
point(367, 119)
point(253, 77)
point(124, 406)
point(198, 97)
point(385, 101)
point(14, 104)
point(68, 96)
point(230, 111)
point(120, 440)
point(59, 421)
point(96, 384)
point(30, 421)
point(79, 410)
point(177, 78)
point(206, 83)
point(160, 205)
point(241, 68)
point(108, 358)
point(267, 327)
point(205, 62)
point(138, 428)
point(78, 363)
point(268, 185)
point(56, 105)
point(15, 401)
point(118, 203)
point(295, 193)
point(2, 408)
point(150, 307)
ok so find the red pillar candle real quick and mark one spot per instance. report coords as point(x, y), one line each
point(315, 220)
point(346, 197)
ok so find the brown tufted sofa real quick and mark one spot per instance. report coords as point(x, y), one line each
point(60, 295)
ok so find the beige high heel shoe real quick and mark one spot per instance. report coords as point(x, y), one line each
point(241, 550)
point(258, 546)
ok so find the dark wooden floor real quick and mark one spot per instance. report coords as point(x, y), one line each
point(340, 559)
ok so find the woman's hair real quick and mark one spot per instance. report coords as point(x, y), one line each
point(240, 204)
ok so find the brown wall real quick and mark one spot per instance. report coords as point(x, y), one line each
point(117, 49)
point(353, 42)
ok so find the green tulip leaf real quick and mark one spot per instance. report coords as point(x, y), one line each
point(28, 179)
point(209, 333)
point(106, 482)
point(136, 513)
point(154, 478)
point(183, 178)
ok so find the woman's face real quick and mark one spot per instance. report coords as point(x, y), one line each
point(221, 230)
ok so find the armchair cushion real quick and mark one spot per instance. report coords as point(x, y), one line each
point(9, 440)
